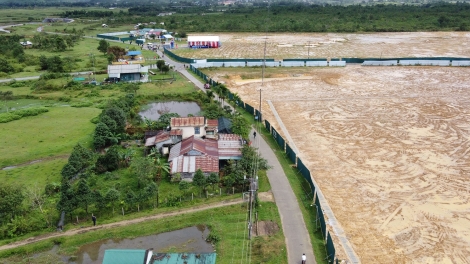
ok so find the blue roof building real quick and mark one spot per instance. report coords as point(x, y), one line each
point(140, 256)
point(127, 256)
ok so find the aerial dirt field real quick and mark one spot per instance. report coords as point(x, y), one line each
point(388, 146)
point(334, 45)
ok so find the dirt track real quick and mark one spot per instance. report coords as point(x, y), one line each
point(389, 147)
point(118, 224)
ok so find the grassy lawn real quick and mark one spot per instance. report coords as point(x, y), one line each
point(227, 223)
point(50, 134)
point(43, 172)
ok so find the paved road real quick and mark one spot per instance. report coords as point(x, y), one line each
point(293, 225)
point(37, 77)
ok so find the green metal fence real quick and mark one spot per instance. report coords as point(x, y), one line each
point(330, 249)
point(250, 109)
point(291, 154)
point(280, 141)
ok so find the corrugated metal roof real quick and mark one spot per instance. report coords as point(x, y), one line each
point(229, 146)
point(161, 136)
point(194, 153)
point(124, 256)
point(123, 68)
point(134, 53)
point(187, 121)
point(203, 38)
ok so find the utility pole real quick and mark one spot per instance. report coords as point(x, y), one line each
point(308, 50)
point(259, 105)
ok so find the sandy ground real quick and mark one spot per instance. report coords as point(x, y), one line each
point(389, 147)
point(335, 45)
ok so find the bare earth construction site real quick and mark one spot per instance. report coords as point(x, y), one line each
point(388, 146)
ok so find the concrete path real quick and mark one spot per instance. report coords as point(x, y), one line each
point(293, 225)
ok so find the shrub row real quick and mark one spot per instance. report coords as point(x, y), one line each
point(18, 114)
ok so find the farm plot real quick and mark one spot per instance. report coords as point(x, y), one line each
point(389, 147)
point(335, 45)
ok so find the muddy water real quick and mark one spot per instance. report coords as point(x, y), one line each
point(191, 239)
point(155, 110)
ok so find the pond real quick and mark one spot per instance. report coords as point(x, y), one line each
point(154, 110)
point(191, 239)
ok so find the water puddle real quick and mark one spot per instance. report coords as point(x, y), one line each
point(191, 239)
point(155, 110)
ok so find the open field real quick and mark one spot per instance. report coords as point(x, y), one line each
point(50, 134)
point(388, 147)
point(335, 45)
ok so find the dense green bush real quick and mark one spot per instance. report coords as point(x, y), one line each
point(18, 114)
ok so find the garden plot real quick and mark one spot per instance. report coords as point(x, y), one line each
point(336, 45)
point(389, 148)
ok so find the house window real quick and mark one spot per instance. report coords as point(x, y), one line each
point(197, 131)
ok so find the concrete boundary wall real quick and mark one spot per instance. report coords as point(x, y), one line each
point(380, 63)
point(424, 62)
point(337, 64)
point(316, 63)
point(461, 63)
point(292, 63)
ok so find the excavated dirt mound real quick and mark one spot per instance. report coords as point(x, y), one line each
point(389, 148)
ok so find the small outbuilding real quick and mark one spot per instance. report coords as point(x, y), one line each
point(128, 72)
point(200, 42)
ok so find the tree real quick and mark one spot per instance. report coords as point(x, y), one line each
point(165, 69)
point(143, 168)
point(199, 179)
point(109, 161)
point(67, 201)
point(112, 197)
point(55, 64)
point(130, 198)
point(117, 115)
point(150, 190)
point(59, 43)
point(5, 66)
point(240, 126)
point(7, 95)
point(213, 179)
point(117, 51)
point(69, 63)
point(100, 136)
point(125, 157)
point(83, 194)
point(103, 46)
point(11, 199)
point(184, 186)
point(160, 167)
point(160, 64)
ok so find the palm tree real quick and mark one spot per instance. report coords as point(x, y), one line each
point(161, 166)
point(126, 156)
point(148, 123)
point(114, 138)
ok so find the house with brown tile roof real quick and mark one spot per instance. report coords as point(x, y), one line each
point(197, 126)
point(194, 153)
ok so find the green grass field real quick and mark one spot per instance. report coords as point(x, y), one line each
point(44, 171)
point(227, 223)
point(47, 135)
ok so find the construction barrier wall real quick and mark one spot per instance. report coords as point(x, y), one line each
point(250, 109)
point(330, 248)
point(291, 154)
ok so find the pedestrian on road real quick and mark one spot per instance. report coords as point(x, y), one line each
point(254, 135)
point(93, 218)
point(304, 259)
